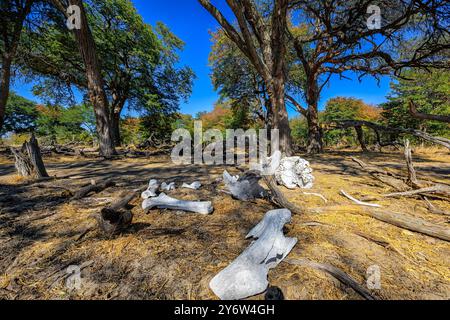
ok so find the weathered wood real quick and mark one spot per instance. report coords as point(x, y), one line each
point(22, 163)
point(435, 210)
point(440, 189)
point(344, 124)
point(410, 223)
point(336, 273)
point(116, 217)
point(279, 198)
point(412, 176)
point(384, 176)
point(96, 188)
point(34, 153)
point(245, 188)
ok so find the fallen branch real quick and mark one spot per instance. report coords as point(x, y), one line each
point(441, 189)
point(359, 202)
point(336, 273)
point(435, 210)
point(410, 223)
point(96, 188)
point(279, 198)
point(412, 176)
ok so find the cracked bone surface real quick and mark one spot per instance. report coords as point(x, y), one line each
point(246, 187)
point(153, 187)
point(168, 187)
point(246, 276)
point(163, 201)
point(293, 172)
point(269, 165)
point(194, 185)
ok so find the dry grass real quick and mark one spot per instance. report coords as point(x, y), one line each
point(172, 255)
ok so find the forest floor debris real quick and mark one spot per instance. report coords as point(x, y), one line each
point(174, 256)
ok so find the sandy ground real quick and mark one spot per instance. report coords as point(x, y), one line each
point(174, 255)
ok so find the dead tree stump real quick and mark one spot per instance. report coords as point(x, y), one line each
point(28, 160)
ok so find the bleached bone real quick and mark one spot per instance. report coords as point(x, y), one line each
point(163, 201)
point(345, 194)
point(247, 275)
point(246, 187)
point(269, 165)
point(168, 187)
point(153, 187)
point(194, 185)
point(293, 172)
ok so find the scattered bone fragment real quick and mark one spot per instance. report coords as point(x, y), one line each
point(163, 201)
point(245, 188)
point(194, 185)
point(153, 187)
point(247, 275)
point(361, 203)
point(168, 186)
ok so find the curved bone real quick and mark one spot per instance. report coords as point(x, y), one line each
point(163, 201)
point(269, 165)
point(168, 187)
point(153, 187)
point(194, 185)
point(293, 172)
point(247, 274)
point(246, 187)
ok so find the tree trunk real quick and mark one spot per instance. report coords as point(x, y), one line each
point(22, 163)
point(115, 126)
point(280, 116)
point(360, 135)
point(4, 86)
point(10, 50)
point(96, 90)
point(315, 143)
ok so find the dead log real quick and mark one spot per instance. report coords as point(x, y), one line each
point(279, 198)
point(412, 176)
point(93, 188)
point(410, 223)
point(439, 189)
point(336, 273)
point(384, 176)
point(344, 124)
point(116, 217)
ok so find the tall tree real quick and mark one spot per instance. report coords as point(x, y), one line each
point(412, 33)
point(13, 15)
point(260, 34)
point(95, 82)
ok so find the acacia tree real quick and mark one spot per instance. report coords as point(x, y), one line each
point(260, 35)
point(13, 15)
point(340, 40)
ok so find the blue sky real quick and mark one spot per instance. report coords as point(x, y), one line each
point(190, 22)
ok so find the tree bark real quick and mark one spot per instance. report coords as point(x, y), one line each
point(10, 47)
point(315, 142)
point(423, 116)
point(115, 126)
point(34, 153)
point(96, 90)
point(360, 135)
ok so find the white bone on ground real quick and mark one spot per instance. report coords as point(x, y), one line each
point(163, 201)
point(194, 185)
point(153, 187)
point(247, 275)
point(293, 172)
point(168, 187)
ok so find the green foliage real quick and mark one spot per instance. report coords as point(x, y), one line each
point(299, 129)
point(430, 91)
point(20, 115)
